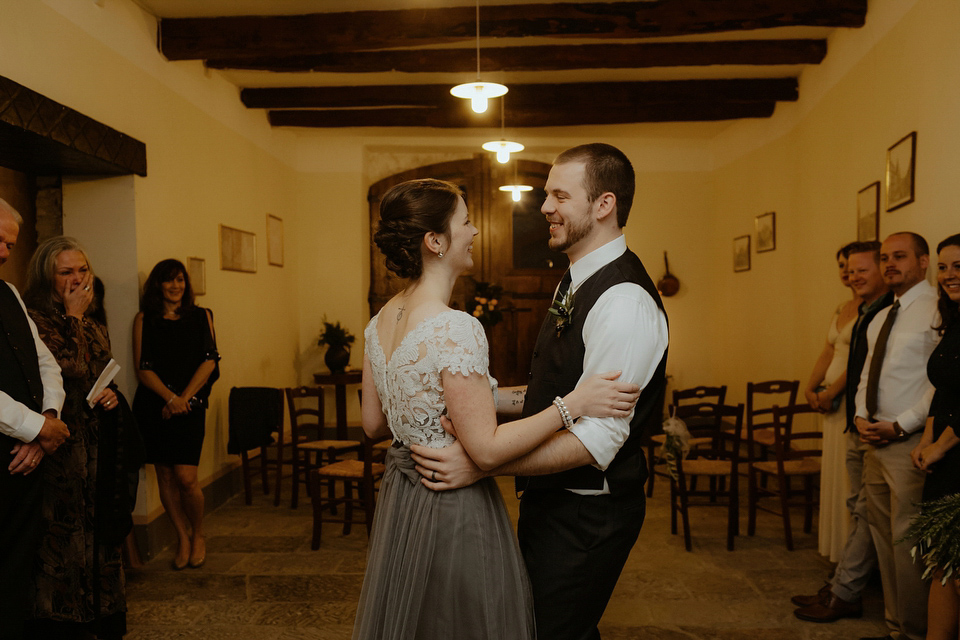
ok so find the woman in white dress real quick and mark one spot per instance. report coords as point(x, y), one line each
point(825, 392)
point(445, 564)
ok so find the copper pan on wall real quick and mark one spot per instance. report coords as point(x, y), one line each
point(668, 285)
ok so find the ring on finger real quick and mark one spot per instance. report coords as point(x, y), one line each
point(433, 478)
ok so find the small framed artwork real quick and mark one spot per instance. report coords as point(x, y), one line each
point(274, 240)
point(197, 270)
point(868, 213)
point(741, 253)
point(766, 232)
point(238, 250)
point(901, 170)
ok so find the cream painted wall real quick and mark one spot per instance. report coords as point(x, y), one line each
point(210, 162)
point(202, 173)
point(771, 322)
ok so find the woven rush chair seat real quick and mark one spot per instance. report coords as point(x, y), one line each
point(326, 445)
point(805, 466)
point(700, 467)
point(349, 469)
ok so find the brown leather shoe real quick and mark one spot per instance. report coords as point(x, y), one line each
point(820, 596)
point(833, 609)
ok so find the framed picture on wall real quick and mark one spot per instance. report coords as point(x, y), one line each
point(238, 250)
point(197, 270)
point(868, 213)
point(274, 240)
point(766, 232)
point(901, 170)
point(741, 253)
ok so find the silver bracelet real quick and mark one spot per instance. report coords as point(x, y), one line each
point(564, 412)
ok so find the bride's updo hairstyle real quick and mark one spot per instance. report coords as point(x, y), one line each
point(407, 212)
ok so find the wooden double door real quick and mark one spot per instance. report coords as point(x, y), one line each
point(510, 251)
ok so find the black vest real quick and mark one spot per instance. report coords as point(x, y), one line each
point(557, 366)
point(19, 368)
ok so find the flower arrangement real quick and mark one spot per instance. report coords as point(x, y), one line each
point(334, 335)
point(486, 298)
point(338, 340)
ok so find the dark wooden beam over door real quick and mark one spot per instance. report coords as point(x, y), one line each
point(322, 33)
point(38, 135)
point(544, 58)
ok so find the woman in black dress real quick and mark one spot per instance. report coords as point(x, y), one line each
point(175, 353)
point(938, 453)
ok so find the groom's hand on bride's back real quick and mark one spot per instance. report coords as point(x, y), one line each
point(446, 468)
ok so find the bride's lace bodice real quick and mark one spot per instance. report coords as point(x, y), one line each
point(409, 383)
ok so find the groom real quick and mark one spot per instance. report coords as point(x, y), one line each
point(583, 503)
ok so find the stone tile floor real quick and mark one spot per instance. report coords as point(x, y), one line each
point(262, 581)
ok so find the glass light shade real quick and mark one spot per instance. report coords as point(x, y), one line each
point(516, 189)
point(478, 93)
point(503, 149)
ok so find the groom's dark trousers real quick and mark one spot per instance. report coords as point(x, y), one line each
point(575, 545)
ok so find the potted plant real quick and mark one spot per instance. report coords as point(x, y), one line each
point(338, 340)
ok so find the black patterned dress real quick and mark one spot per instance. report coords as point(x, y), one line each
point(63, 588)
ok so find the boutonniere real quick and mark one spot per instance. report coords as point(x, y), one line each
point(563, 311)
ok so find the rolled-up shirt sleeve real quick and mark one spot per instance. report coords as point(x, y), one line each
point(625, 330)
point(16, 419)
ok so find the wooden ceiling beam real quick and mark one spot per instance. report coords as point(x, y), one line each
point(589, 95)
point(322, 33)
point(542, 117)
point(545, 57)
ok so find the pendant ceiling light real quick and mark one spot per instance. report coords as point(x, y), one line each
point(502, 147)
point(478, 93)
point(516, 188)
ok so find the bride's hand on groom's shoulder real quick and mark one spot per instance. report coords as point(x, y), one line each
point(446, 468)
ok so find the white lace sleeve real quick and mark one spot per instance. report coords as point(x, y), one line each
point(462, 347)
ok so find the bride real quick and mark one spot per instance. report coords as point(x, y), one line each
point(446, 564)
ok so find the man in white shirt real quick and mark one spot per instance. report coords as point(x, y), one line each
point(31, 396)
point(893, 400)
point(583, 502)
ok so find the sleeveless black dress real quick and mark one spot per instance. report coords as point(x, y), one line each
point(174, 349)
point(943, 370)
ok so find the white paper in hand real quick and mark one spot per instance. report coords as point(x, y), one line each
point(106, 377)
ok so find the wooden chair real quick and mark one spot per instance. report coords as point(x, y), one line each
point(695, 395)
point(797, 456)
point(360, 475)
point(717, 458)
point(309, 440)
point(761, 397)
point(254, 415)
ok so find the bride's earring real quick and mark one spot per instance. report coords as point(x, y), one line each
point(440, 254)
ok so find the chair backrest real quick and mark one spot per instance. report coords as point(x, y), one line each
point(761, 398)
point(700, 394)
point(715, 421)
point(254, 413)
point(305, 405)
point(791, 443)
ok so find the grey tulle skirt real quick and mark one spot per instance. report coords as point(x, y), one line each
point(442, 565)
